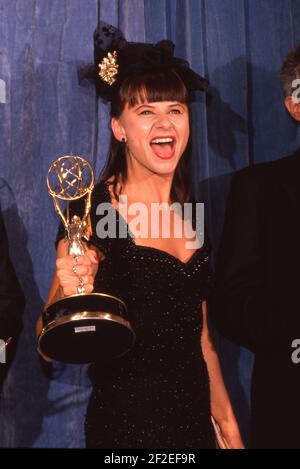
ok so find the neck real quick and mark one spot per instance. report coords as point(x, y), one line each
point(145, 186)
point(152, 189)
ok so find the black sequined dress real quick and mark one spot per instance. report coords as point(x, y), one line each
point(157, 395)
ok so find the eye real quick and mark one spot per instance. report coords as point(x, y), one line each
point(146, 112)
point(176, 111)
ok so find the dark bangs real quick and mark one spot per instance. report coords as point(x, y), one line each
point(150, 86)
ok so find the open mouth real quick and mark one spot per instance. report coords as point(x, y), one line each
point(163, 147)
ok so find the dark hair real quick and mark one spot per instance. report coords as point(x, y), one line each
point(290, 70)
point(152, 86)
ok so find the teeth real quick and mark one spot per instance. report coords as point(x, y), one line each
point(162, 140)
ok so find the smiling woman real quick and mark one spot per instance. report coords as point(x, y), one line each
point(162, 393)
point(156, 134)
point(151, 105)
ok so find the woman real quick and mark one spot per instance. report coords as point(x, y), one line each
point(162, 393)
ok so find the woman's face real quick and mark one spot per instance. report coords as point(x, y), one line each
point(156, 134)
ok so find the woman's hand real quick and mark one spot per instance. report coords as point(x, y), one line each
point(230, 433)
point(221, 408)
point(76, 274)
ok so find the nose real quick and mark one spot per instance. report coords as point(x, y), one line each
point(163, 121)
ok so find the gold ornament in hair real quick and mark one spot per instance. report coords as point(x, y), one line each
point(109, 68)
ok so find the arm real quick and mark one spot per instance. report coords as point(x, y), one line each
point(243, 307)
point(221, 408)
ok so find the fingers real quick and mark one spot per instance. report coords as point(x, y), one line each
point(77, 281)
point(81, 270)
point(68, 262)
point(92, 256)
point(71, 290)
point(76, 274)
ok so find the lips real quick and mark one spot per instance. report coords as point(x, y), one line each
point(163, 146)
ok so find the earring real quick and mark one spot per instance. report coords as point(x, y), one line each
point(124, 140)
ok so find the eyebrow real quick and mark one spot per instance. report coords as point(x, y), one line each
point(151, 106)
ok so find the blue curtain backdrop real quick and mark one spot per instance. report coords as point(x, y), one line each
point(238, 44)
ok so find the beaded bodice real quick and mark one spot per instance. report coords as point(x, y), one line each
point(163, 294)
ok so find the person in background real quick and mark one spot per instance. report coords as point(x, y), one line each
point(11, 304)
point(256, 301)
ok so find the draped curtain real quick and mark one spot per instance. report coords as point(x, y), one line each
point(238, 45)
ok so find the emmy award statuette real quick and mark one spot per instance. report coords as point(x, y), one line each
point(84, 327)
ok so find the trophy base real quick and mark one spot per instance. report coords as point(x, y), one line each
point(100, 332)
